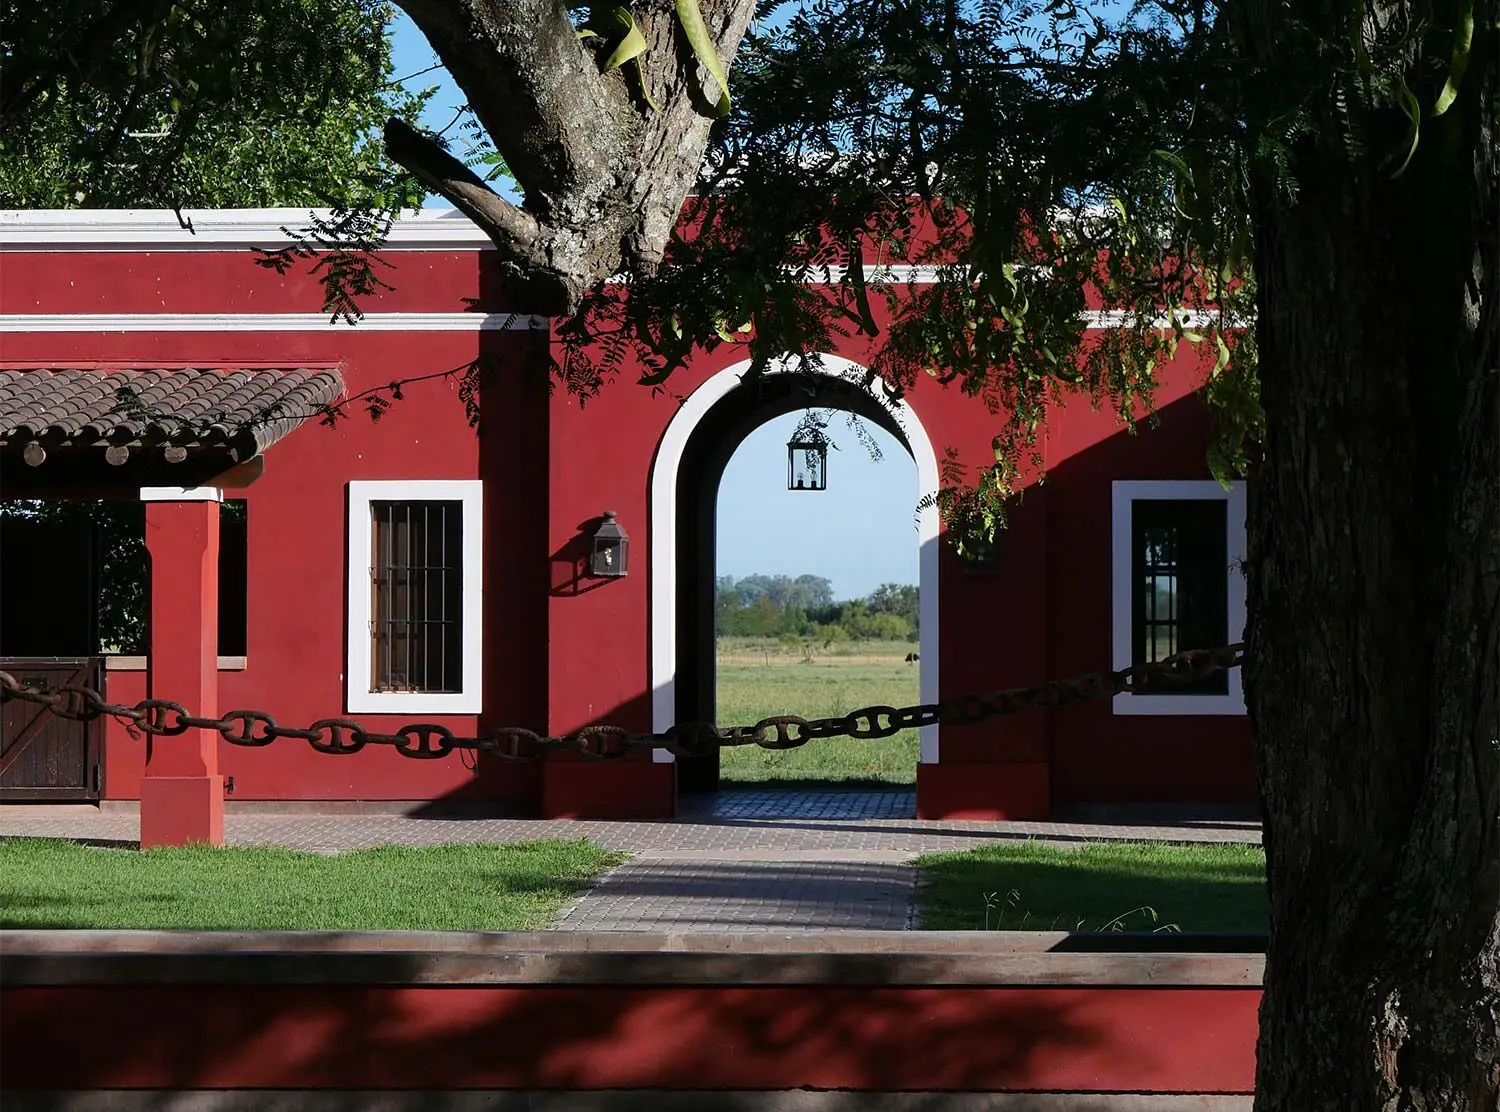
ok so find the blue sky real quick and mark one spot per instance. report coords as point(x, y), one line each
point(860, 532)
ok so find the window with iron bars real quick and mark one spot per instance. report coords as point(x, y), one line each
point(1181, 576)
point(416, 574)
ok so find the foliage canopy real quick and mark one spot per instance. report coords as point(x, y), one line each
point(149, 103)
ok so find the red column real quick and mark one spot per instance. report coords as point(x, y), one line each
point(182, 793)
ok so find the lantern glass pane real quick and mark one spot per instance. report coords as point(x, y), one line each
point(807, 465)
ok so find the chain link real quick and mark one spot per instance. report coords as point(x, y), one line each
point(428, 741)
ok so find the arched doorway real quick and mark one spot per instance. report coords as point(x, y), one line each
point(690, 461)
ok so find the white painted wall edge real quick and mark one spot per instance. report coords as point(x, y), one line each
point(663, 546)
point(213, 229)
point(1124, 493)
point(216, 229)
point(358, 698)
point(267, 322)
point(370, 322)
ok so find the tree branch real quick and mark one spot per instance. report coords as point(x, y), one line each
point(523, 242)
point(603, 177)
point(514, 232)
point(538, 93)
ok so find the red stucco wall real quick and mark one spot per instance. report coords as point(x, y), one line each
point(563, 652)
point(297, 509)
point(1078, 1039)
point(1096, 756)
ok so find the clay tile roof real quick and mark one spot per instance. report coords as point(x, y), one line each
point(243, 410)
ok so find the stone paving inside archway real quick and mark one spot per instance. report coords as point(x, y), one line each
point(774, 803)
point(736, 861)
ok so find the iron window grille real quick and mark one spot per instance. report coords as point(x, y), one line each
point(416, 631)
point(1181, 576)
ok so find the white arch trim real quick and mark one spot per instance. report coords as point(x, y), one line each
point(663, 540)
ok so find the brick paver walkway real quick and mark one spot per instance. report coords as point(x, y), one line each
point(736, 861)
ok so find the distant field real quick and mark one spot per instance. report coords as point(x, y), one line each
point(759, 678)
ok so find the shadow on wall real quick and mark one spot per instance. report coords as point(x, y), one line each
point(1095, 755)
point(503, 788)
point(577, 1037)
point(570, 564)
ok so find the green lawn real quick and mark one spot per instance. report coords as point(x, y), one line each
point(1097, 886)
point(57, 884)
point(757, 680)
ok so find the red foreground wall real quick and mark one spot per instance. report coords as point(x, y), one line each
point(580, 1038)
point(914, 1013)
point(557, 656)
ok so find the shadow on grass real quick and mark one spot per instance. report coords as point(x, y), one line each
point(63, 909)
point(1095, 887)
point(52, 883)
point(87, 843)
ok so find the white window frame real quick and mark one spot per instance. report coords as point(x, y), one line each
point(358, 696)
point(1124, 494)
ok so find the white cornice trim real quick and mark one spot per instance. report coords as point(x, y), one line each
point(267, 322)
point(218, 229)
point(393, 322)
point(101, 230)
point(182, 494)
point(212, 230)
point(1187, 318)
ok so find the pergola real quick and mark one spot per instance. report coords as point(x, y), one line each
point(174, 438)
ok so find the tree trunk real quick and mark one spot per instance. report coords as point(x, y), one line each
point(603, 173)
point(1373, 674)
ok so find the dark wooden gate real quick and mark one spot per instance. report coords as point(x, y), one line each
point(43, 756)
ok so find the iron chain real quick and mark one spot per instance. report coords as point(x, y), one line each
point(428, 741)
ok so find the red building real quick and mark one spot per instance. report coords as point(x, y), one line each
point(511, 628)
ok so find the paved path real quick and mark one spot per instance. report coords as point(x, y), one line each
point(739, 861)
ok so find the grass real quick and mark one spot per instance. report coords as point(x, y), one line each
point(759, 678)
point(46, 883)
point(1097, 886)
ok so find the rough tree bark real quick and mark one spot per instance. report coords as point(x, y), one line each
point(1374, 593)
point(604, 176)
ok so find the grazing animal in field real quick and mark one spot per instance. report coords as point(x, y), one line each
point(912, 658)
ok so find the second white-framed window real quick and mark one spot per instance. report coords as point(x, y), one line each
point(415, 587)
point(1177, 550)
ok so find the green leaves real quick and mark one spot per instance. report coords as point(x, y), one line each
point(617, 27)
point(1463, 41)
point(690, 16)
point(1407, 101)
point(247, 103)
point(1065, 189)
point(631, 43)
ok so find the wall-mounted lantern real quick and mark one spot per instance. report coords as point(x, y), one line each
point(610, 557)
point(981, 558)
point(807, 464)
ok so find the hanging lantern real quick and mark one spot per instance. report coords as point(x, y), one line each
point(807, 464)
point(611, 549)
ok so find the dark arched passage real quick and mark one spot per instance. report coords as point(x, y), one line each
point(707, 453)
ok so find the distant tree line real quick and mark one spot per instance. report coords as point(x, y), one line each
point(804, 608)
